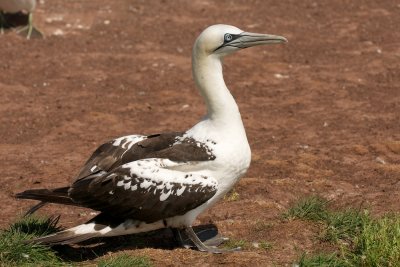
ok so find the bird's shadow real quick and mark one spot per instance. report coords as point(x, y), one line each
point(13, 20)
point(161, 239)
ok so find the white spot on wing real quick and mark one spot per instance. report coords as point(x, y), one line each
point(180, 190)
point(162, 177)
point(145, 184)
point(164, 196)
point(128, 141)
point(127, 185)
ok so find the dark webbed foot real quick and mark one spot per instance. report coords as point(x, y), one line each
point(207, 234)
point(180, 240)
point(208, 246)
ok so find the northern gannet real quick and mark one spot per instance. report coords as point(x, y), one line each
point(15, 6)
point(142, 183)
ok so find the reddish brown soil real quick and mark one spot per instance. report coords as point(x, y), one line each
point(322, 113)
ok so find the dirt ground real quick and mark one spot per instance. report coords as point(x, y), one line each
point(322, 113)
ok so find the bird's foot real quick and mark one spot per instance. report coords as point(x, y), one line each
point(29, 31)
point(216, 241)
point(209, 236)
point(209, 245)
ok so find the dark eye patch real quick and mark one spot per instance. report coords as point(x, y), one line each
point(230, 37)
point(227, 37)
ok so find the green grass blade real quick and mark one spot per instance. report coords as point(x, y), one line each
point(125, 260)
point(379, 243)
point(310, 208)
point(13, 250)
point(321, 260)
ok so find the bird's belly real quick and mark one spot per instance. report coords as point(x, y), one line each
point(227, 171)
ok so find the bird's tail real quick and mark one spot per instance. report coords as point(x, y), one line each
point(70, 236)
point(102, 225)
point(58, 195)
point(97, 227)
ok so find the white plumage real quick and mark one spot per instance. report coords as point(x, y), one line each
point(167, 180)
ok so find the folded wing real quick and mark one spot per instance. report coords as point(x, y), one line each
point(146, 190)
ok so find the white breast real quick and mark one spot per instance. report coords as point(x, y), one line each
point(230, 148)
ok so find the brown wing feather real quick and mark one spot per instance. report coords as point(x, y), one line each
point(104, 193)
point(109, 156)
point(93, 185)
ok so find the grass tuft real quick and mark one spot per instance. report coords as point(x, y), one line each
point(13, 250)
point(36, 226)
point(360, 239)
point(232, 196)
point(344, 226)
point(231, 244)
point(378, 243)
point(310, 208)
point(125, 260)
point(321, 260)
point(265, 245)
point(260, 225)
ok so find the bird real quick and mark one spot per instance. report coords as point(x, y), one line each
point(16, 6)
point(141, 183)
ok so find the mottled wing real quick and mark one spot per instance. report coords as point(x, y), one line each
point(125, 149)
point(146, 190)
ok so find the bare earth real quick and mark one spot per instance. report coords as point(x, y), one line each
point(322, 113)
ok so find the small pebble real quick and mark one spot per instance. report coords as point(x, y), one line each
point(281, 76)
point(58, 32)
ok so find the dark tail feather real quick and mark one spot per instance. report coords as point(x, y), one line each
point(33, 209)
point(100, 226)
point(58, 195)
point(62, 238)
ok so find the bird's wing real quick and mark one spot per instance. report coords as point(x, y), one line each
point(148, 190)
point(104, 169)
point(125, 149)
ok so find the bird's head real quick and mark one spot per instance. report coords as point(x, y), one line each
point(222, 40)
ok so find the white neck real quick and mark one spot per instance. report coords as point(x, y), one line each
point(207, 73)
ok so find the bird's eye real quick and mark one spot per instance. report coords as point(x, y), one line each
point(228, 37)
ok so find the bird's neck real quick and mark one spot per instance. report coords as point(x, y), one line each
point(207, 73)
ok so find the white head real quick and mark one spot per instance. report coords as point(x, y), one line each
point(221, 40)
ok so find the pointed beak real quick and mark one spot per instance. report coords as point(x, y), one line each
point(248, 39)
